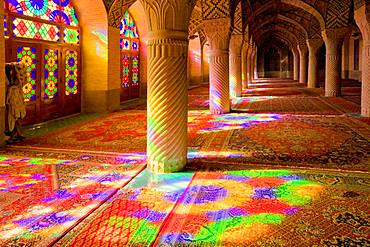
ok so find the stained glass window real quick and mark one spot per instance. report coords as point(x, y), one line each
point(59, 11)
point(125, 71)
point(35, 30)
point(135, 45)
point(128, 26)
point(130, 57)
point(6, 32)
point(51, 73)
point(71, 36)
point(135, 70)
point(27, 55)
point(52, 55)
point(125, 44)
point(71, 86)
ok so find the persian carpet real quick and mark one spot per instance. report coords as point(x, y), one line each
point(202, 90)
point(273, 92)
point(285, 105)
point(122, 132)
point(40, 199)
point(326, 142)
point(232, 207)
point(344, 105)
point(132, 217)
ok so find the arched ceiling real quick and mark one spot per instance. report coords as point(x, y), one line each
point(303, 19)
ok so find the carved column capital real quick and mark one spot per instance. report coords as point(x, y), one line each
point(168, 14)
point(302, 49)
point(362, 21)
point(314, 44)
point(334, 37)
point(236, 42)
point(218, 32)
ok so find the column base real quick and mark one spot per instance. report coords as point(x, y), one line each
point(332, 94)
point(219, 111)
point(365, 111)
point(235, 95)
point(160, 166)
point(312, 86)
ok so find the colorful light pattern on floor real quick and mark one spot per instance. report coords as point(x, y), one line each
point(42, 198)
point(202, 121)
point(203, 208)
point(235, 207)
point(134, 216)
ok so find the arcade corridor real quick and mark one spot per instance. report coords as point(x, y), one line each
point(287, 167)
point(184, 123)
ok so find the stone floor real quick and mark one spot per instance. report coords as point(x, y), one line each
point(287, 167)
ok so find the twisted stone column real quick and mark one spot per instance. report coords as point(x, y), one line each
point(361, 17)
point(365, 96)
point(314, 46)
point(249, 65)
point(235, 65)
point(261, 63)
point(218, 36)
point(333, 71)
point(295, 65)
point(302, 48)
point(252, 64)
point(255, 58)
point(167, 84)
point(244, 65)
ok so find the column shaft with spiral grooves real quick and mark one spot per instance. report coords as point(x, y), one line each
point(333, 69)
point(365, 95)
point(296, 65)
point(303, 65)
point(244, 66)
point(314, 46)
point(219, 91)
point(235, 75)
point(249, 66)
point(252, 65)
point(218, 32)
point(235, 65)
point(361, 17)
point(167, 105)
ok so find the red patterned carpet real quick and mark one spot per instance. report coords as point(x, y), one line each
point(290, 169)
point(285, 105)
point(116, 132)
point(40, 199)
point(232, 208)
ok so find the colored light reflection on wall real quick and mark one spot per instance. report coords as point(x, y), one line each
point(101, 43)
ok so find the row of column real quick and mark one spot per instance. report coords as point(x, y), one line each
point(167, 77)
point(167, 86)
point(167, 82)
point(308, 54)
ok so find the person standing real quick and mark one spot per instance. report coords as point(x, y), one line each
point(16, 108)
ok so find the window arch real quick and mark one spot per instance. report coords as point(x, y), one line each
point(130, 66)
point(45, 36)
